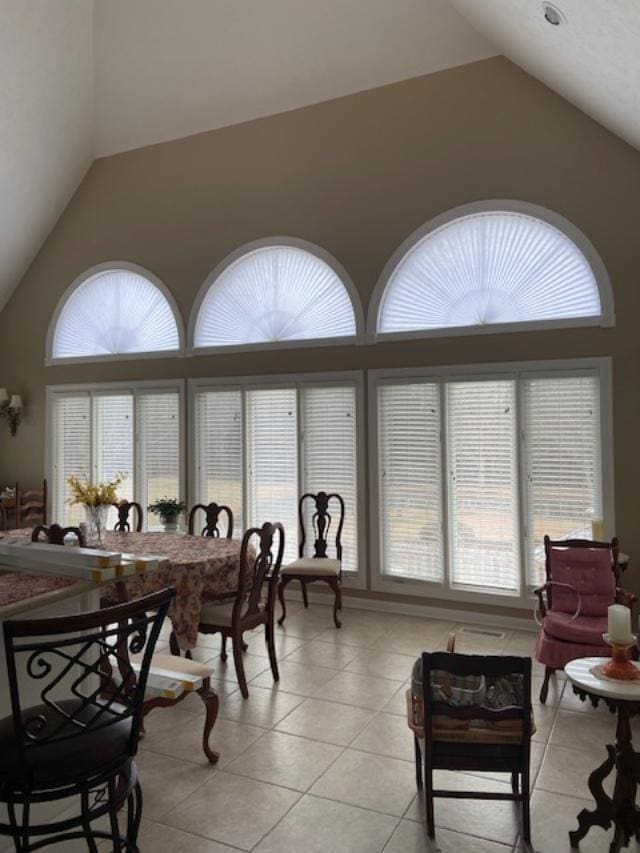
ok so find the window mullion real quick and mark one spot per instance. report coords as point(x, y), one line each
point(444, 485)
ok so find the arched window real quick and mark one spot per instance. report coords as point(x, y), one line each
point(279, 292)
point(492, 267)
point(115, 311)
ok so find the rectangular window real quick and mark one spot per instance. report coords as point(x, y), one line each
point(260, 448)
point(100, 433)
point(473, 472)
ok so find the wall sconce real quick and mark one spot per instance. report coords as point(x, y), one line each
point(11, 409)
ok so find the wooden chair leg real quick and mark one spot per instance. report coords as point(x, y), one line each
point(336, 586)
point(244, 646)
point(281, 585)
point(211, 704)
point(544, 690)
point(515, 783)
point(305, 599)
point(526, 813)
point(418, 759)
point(174, 648)
point(223, 648)
point(271, 649)
point(428, 800)
point(237, 659)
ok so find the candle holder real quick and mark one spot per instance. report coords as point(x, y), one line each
point(620, 666)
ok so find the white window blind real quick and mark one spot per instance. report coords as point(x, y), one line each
point(219, 450)
point(114, 312)
point(562, 462)
point(272, 461)
point(113, 444)
point(275, 293)
point(158, 428)
point(410, 480)
point(71, 453)
point(489, 268)
point(330, 460)
point(483, 485)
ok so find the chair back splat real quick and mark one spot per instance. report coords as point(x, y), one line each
point(321, 522)
point(55, 534)
point(212, 512)
point(123, 524)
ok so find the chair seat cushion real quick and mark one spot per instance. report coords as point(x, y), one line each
point(312, 566)
point(60, 761)
point(583, 629)
point(217, 614)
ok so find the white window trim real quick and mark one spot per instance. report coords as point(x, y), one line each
point(114, 266)
point(582, 242)
point(518, 370)
point(105, 388)
point(295, 242)
point(353, 580)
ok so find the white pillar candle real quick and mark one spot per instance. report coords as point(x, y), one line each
point(620, 624)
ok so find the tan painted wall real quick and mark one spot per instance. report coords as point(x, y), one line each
point(356, 176)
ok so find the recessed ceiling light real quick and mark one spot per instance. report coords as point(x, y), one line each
point(553, 15)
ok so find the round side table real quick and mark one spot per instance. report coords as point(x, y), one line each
point(623, 698)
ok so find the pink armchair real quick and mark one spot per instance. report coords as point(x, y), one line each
point(582, 581)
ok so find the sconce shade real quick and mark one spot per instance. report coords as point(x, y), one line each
point(3, 396)
point(16, 401)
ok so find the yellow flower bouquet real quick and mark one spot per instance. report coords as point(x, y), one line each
point(98, 494)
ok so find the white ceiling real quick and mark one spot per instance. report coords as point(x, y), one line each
point(593, 59)
point(168, 69)
point(46, 132)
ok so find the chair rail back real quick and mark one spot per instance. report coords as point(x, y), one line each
point(257, 571)
point(212, 512)
point(123, 524)
point(321, 522)
point(55, 534)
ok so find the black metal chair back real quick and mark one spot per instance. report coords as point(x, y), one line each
point(258, 570)
point(123, 525)
point(55, 534)
point(212, 512)
point(314, 512)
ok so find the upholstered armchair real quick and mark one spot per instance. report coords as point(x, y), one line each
point(582, 580)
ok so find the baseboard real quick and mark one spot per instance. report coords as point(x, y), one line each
point(423, 610)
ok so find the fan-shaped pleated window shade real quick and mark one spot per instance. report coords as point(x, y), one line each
point(115, 312)
point(489, 268)
point(271, 294)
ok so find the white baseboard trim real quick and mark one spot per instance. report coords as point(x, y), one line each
point(425, 611)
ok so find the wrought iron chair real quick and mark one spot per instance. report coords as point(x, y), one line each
point(55, 534)
point(318, 567)
point(212, 512)
point(582, 580)
point(254, 603)
point(79, 743)
point(123, 524)
point(463, 724)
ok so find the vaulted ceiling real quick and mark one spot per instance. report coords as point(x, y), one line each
point(87, 78)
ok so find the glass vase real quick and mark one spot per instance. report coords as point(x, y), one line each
point(96, 519)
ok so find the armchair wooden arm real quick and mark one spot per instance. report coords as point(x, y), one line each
point(540, 592)
point(626, 598)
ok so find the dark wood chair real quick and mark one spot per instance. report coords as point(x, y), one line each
point(462, 725)
point(31, 506)
point(318, 567)
point(124, 508)
point(78, 745)
point(55, 534)
point(10, 505)
point(212, 512)
point(254, 603)
point(4, 518)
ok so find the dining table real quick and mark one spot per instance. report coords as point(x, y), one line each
point(200, 568)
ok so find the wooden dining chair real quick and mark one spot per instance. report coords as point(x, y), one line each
point(31, 506)
point(317, 567)
point(212, 512)
point(123, 525)
point(254, 603)
point(4, 518)
point(55, 534)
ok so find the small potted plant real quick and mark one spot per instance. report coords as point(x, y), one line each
point(168, 509)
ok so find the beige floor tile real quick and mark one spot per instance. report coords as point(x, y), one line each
point(228, 738)
point(411, 837)
point(567, 770)
point(284, 645)
point(521, 643)
point(315, 653)
point(158, 838)
point(555, 693)
point(571, 702)
point(365, 691)
point(321, 826)
point(370, 781)
point(544, 717)
point(414, 641)
point(398, 703)
point(296, 678)
point(253, 666)
point(264, 707)
point(306, 625)
point(479, 642)
point(326, 721)
point(381, 664)
point(233, 810)
point(167, 781)
point(493, 820)
point(588, 732)
point(387, 734)
point(287, 760)
point(352, 635)
point(553, 815)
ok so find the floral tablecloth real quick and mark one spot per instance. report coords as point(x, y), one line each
point(199, 568)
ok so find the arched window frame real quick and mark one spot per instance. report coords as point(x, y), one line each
point(266, 243)
point(579, 239)
point(114, 266)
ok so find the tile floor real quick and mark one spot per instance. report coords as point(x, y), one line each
point(322, 762)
